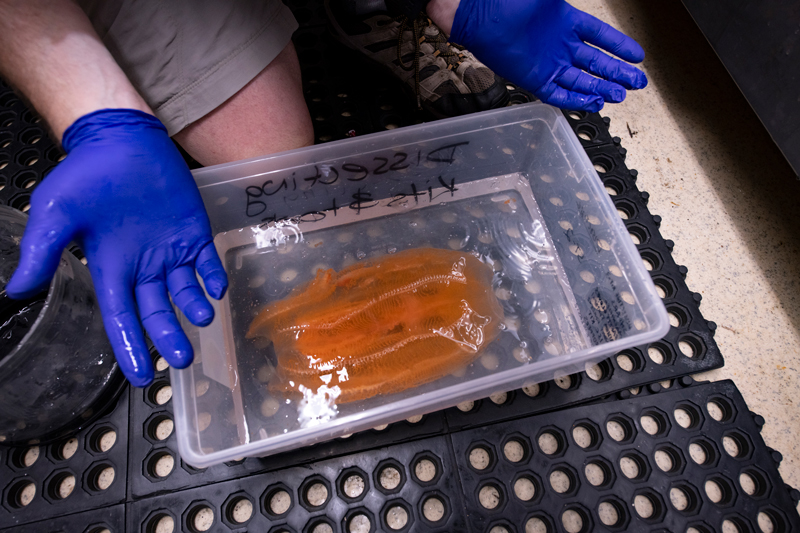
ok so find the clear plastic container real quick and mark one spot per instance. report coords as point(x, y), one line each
point(57, 369)
point(511, 187)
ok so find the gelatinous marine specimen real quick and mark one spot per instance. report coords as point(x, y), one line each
point(381, 326)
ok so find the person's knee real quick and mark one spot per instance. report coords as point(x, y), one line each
point(267, 115)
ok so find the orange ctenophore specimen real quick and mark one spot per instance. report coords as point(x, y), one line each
point(381, 326)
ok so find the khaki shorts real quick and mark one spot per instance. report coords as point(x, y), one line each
point(186, 57)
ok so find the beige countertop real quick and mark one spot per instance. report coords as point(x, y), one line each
point(729, 201)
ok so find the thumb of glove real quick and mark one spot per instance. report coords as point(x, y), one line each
point(47, 233)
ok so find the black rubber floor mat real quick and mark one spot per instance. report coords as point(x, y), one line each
point(103, 520)
point(691, 457)
point(160, 469)
point(87, 471)
point(407, 487)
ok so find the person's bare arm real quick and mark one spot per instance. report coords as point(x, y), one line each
point(442, 12)
point(50, 52)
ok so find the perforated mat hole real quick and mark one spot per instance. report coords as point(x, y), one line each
point(731, 526)
point(499, 529)
point(161, 364)
point(595, 372)
point(161, 465)
point(631, 466)
point(666, 459)
point(769, 522)
point(278, 501)
point(499, 398)
point(359, 523)
point(687, 416)
point(316, 494)
point(533, 390)
point(563, 382)
point(719, 491)
point(679, 498)
point(161, 427)
point(490, 496)
point(433, 509)
point(645, 505)
point(466, 406)
point(657, 355)
point(203, 421)
point(21, 494)
point(480, 458)
point(754, 483)
point(550, 443)
point(686, 348)
point(66, 449)
point(626, 362)
point(701, 452)
point(160, 393)
point(731, 446)
point(561, 481)
point(99, 529)
point(200, 519)
point(239, 510)
point(619, 429)
point(61, 486)
point(525, 488)
point(536, 525)
point(102, 439)
point(650, 425)
point(720, 410)
point(425, 469)
point(269, 407)
point(101, 477)
point(573, 521)
point(596, 474)
point(515, 450)
point(522, 354)
point(161, 523)
point(390, 477)
point(353, 486)
point(490, 361)
point(609, 513)
point(25, 457)
point(396, 517)
point(585, 436)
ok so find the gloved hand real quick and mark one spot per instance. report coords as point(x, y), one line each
point(126, 196)
point(539, 45)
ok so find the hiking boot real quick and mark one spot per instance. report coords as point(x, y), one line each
point(447, 80)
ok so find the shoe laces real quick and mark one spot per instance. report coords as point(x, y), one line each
point(451, 52)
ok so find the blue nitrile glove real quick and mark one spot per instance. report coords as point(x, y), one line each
point(125, 195)
point(541, 46)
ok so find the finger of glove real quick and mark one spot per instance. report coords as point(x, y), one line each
point(210, 267)
point(565, 99)
point(189, 296)
point(595, 31)
point(161, 323)
point(574, 79)
point(46, 235)
point(124, 329)
point(600, 64)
